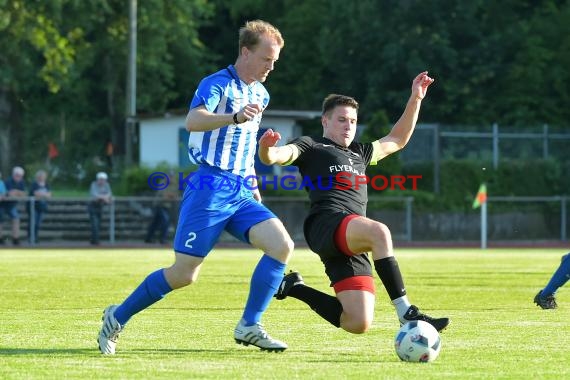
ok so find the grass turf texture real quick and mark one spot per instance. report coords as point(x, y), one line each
point(52, 300)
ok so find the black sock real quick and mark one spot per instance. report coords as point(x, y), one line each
point(323, 304)
point(391, 277)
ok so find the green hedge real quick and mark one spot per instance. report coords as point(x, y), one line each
point(460, 180)
point(135, 181)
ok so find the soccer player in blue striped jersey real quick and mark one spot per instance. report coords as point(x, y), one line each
point(223, 121)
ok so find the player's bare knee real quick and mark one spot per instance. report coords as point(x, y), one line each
point(355, 322)
point(289, 246)
point(380, 231)
point(286, 243)
point(357, 326)
point(283, 250)
point(179, 275)
point(359, 329)
point(185, 279)
point(189, 278)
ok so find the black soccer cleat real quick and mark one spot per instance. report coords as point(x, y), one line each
point(289, 280)
point(548, 302)
point(414, 314)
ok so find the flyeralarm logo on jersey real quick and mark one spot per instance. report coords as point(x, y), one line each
point(340, 181)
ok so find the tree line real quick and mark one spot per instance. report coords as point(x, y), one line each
point(63, 63)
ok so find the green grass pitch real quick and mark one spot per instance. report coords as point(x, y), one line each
point(51, 303)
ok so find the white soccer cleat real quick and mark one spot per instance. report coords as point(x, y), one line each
point(109, 334)
point(257, 336)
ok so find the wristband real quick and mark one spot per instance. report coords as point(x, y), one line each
point(236, 119)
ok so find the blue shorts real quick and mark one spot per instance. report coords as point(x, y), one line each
point(215, 200)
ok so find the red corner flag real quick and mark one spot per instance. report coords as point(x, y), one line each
point(481, 196)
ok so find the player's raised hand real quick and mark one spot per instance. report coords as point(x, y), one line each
point(421, 84)
point(269, 139)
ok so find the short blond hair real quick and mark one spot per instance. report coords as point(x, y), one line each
point(251, 33)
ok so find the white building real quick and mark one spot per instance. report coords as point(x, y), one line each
point(165, 139)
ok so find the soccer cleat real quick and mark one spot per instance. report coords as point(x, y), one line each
point(257, 336)
point(414, 314)
point(289, 280)
point(548, 302)
point(109, 333)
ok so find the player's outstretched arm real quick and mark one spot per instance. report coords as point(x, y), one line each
point(404, 127)
point(270, 154)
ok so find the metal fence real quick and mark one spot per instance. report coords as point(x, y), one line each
point(492, 143)
point(67, 219)
point(555, 215)
point(125, 219)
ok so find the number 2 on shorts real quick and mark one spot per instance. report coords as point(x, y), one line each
point(191, 238)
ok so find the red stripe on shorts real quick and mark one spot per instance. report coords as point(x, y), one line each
point(365, 283)
point(340, 235)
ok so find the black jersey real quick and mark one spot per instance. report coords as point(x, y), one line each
point(334, 175)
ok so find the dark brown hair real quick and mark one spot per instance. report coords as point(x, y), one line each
point(333, 100)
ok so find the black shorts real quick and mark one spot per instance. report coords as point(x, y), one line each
point(319, 232)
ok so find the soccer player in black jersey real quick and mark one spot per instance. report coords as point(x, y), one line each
point(337, 228)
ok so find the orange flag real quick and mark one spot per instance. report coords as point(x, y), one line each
point(481, 196)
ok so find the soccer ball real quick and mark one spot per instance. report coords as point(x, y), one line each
point(417, 341)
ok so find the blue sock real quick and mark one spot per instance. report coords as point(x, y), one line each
point(264, 282)
point(151, 290)
point(559, 277)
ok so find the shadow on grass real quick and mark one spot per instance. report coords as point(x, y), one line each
point(90, 351)
point(44, 351)
point(356, 359)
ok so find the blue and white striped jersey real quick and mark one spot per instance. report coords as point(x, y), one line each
point(232, 147)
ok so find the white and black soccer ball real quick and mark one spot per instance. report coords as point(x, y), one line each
point(417, 341)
